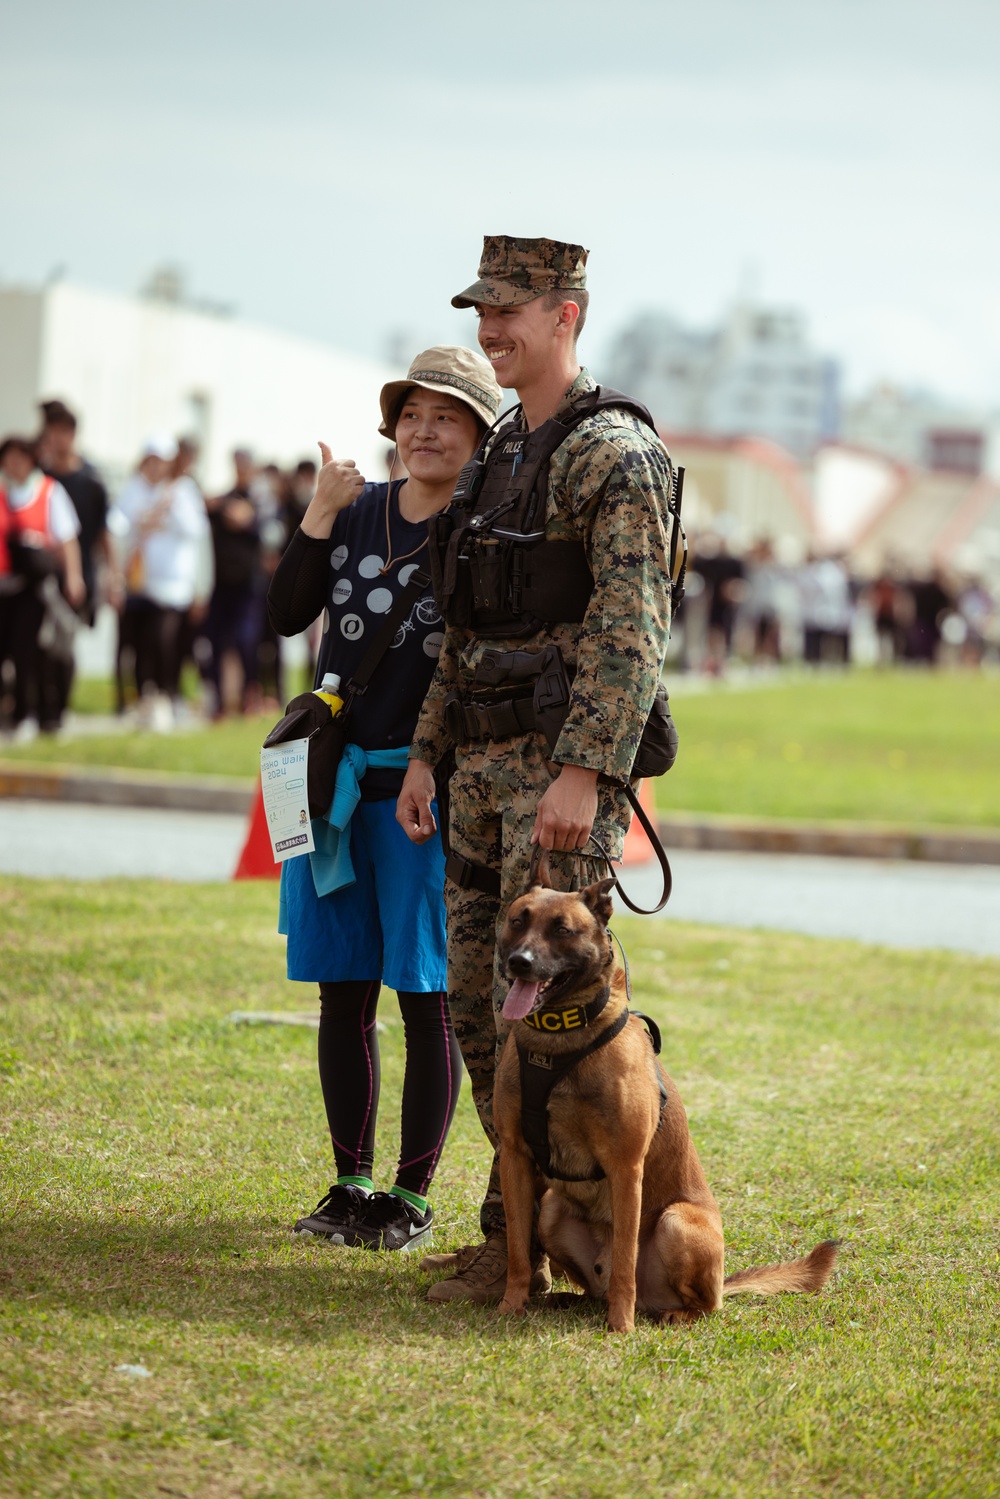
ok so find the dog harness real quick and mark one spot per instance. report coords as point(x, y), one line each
point(540, 1072)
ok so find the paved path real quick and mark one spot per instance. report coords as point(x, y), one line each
point(74, 841)
point(895, 902)
point(899, 904)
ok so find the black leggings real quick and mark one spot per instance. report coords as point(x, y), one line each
point(349, 1075)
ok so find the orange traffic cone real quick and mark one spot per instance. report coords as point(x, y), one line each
point(257, 860)
point(638, 848)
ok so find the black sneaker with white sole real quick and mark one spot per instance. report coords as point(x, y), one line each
point(390, 1222)
point(335, 1216)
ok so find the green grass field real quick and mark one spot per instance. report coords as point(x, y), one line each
point(912, 748)
point(904, 747)
point(154, 1155)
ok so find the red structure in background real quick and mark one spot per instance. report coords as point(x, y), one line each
point(637, 846)
point(256, 862)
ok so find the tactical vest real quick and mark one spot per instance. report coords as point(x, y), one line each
point(492, 569)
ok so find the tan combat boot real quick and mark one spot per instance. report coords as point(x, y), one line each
point(480, 1273)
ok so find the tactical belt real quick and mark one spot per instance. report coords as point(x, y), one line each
point(540, 1071)
point(505, 718)
point(469, 876)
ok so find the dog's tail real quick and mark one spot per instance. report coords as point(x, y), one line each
point(810, 1273)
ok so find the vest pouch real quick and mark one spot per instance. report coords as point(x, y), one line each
point(495, 568)
point(487, 571)
point(449, 568)
point(308, 717)
point(658, 744)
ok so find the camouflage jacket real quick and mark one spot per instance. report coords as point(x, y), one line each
point(608, 487)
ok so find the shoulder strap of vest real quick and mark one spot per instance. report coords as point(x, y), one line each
point(553, 433)
point(608, 399)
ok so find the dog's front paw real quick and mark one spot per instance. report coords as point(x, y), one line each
point(511, 1308)
point(620, 1322)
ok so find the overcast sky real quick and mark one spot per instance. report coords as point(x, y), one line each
point(330, 168)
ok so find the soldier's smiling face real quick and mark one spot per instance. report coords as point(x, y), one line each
point(518, 341)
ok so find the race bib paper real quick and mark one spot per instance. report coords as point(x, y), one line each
point(284, 779)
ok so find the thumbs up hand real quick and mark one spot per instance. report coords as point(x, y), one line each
point(338, 485)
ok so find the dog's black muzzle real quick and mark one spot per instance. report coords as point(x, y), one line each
point(520, 966)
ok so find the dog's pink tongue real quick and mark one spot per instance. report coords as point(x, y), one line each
point(521, 1000)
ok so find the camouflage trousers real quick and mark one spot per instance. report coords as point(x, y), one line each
point(494, 795)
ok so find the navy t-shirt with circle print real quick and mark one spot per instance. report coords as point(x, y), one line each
point(358, 598)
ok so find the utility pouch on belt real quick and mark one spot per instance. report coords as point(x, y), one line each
point(658, 745)
point(551, 699)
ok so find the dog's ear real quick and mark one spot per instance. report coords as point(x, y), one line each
point(539, 872)
point(598, 900)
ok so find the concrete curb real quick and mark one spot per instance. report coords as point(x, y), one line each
point(125, 788)
point(941, 845)
point(131, 788)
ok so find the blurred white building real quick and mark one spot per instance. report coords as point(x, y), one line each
point(744, 489)
point(756, 375)
point(911, 519)
point(133, 366)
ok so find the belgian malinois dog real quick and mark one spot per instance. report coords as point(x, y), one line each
point(627, 1213)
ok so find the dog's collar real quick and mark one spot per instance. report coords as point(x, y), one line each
point(569, 1017)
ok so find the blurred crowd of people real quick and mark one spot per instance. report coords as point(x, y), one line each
point(753, 607)
point(186, 574)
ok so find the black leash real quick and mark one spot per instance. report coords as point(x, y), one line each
point(658, 850)
point(466, 874)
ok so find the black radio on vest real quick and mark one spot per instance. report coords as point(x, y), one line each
point(492, 569)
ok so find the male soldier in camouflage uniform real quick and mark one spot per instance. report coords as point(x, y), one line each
point(608, 487)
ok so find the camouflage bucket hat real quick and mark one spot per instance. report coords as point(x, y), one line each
point(454, 371)
point(519, 270)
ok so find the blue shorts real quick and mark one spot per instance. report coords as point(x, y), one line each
point(388, 925)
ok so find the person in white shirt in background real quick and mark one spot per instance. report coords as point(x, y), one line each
point(827, 609)
point(163, 524)
point(192, 646)
point(40, 565)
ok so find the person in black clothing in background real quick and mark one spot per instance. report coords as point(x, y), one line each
point(353, 555)
point(235, 612)
point(58, 457)
point(931, 602)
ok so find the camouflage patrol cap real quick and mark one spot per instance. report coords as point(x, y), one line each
point(516, 270)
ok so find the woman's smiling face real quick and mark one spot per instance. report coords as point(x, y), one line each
point(436, 434)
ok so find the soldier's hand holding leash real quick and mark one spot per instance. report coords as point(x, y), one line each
point(338, 485)
point(567, 810)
